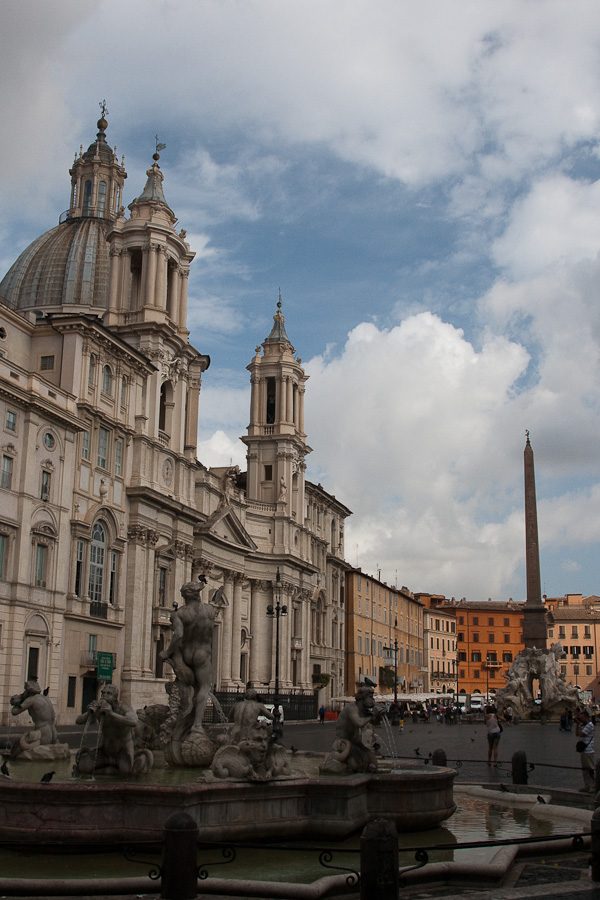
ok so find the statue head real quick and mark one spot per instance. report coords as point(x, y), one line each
point(32, 687)
point(191, 590)
point(365, 697)
point(110, 693)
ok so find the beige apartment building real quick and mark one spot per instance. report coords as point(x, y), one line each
point(378, 616)
point(105, 510)
point(439, 644)
point(574, 622)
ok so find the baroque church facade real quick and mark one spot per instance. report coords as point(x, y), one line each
point(105, 510)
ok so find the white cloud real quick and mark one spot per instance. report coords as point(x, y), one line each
point(221, 450)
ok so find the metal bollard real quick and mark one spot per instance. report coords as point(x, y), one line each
point(595, 858)
point(519, 767)
point(179, 867)
point(439, 758)
point(379, 877)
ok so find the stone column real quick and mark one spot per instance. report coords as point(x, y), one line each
point(236, 629)
point(290, 400)
point(225, 666)
point(161, 277)
point(174, 278)
point(151, 260)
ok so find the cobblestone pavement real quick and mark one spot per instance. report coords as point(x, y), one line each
point(550, 750)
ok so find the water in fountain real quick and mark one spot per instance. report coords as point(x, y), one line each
point(222, 717)
point(389, 739)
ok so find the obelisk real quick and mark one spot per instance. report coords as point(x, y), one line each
point(534, 616)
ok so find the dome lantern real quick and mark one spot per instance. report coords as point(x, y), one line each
point(97, 179)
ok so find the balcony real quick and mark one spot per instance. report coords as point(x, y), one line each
point(161, 615)
point(89, 659)
point(98, 610)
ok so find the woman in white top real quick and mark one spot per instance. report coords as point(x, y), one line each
point(494, 730)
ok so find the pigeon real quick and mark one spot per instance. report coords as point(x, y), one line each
point(540, 799)
point(4, 769)
point(472, 740)
point(294, 749)
point(417, 751)
point(47, 691)
point(504, 789)
point(47, 777)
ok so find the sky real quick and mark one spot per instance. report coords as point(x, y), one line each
point(421, 181)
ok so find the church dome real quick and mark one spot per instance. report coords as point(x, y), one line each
point(66, 266)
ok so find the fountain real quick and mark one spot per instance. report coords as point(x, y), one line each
point(247, 789)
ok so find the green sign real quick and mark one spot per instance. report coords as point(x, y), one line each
point(105, 666)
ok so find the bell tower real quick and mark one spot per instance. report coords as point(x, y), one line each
point(276, 440)
point(97, 179)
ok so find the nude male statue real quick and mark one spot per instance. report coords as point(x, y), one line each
point(115, 755)
point(41, 711)
point(190, 650)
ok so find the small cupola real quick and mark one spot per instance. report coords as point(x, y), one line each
point(97, 178)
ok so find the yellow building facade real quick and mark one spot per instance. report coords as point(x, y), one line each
point(378, 616)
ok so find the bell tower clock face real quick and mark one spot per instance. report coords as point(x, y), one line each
point(167, 472)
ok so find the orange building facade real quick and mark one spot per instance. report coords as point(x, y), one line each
point(377, 616)
point(489, 636)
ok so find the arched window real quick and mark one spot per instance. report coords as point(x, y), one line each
point(107, 380)
point(87, 197)
point(97, 562)
point(101, 198)
point(165, 409)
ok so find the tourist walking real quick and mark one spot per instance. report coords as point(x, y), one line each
point(585, 747)
point(322, 715)
point(494, 730)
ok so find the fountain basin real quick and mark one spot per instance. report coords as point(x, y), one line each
point(103, 812)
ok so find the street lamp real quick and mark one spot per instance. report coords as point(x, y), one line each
point(275, 611)
point(396, 664)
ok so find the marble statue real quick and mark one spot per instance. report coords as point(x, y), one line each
point(529, 666)
point(190, 656)
point(352, 749)
point(251, 757)
point(115, 753)
point(246, 715)
point(42, 741)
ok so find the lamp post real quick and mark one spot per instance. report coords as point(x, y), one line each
point(487, 678)
point(275, 611)
point(396, 663)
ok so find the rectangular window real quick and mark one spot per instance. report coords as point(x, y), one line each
point(79, 560)
point(506, 623)
point(475, 620)
point(507, 657)
point(476, 656)
point(41, 564)
point(11, 420)
point(45, 487)
point(123, 390)
point(47, 364)
point(85, 445)
point(118, 457)
point(360, 650)
point(3, 555)
point(92, 644)
point(588, 670)
point(461, 673)
point(112, 585)
point(7, 472)
point(92, 370)
point(476, 638)
point(507, 638)
point(71, 688)
point(490, 621)
point(561, 632)
point(461, 636)
point(462, 656)
point(268, 473)
point(476, 673)
point(491, 638)
point(103, 436)
point(162, 586)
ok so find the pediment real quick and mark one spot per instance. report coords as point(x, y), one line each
point(224, 525)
